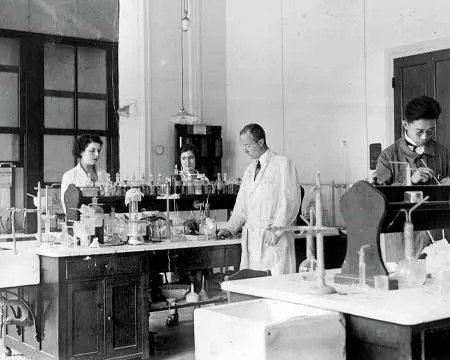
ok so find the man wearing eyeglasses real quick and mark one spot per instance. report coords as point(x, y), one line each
point(427, 159)
point(268, 196)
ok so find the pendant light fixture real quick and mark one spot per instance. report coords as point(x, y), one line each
point(183, 116)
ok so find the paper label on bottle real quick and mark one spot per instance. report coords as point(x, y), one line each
point(199, 129)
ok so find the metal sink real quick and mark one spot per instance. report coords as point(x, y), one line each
point(18, 270)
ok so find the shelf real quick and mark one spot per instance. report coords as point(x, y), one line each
point(162, 305)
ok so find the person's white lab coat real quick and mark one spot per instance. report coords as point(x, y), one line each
point(80, 178)
point(273, 198)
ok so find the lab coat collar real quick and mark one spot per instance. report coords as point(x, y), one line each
point(264, 158)
point(82, 174)
point(430, 149)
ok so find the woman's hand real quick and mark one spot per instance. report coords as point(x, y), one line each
point(422, 175)
point(223, 234)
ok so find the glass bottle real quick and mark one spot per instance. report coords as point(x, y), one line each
point(159, 183)
point(410, 272)
point(219, 184)
point(198, 186)
point(98, 219)
point(225, 183)
point(144, 185)
point(117, 188)
point(152, 186)
point(108, 185)
point(189, 186)
point(176, 181)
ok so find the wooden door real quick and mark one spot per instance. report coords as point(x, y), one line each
point(85, 320)
point(124, 316)
point(423, 74)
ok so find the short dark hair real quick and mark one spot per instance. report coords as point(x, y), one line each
point(255, 130)
point(82, 142)
point(422, 107)
point(189, 147)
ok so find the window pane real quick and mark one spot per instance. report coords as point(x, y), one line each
point(9, 99)
point(9, 147)
point(58, 112)
point(58, 156)
point(91, 70)
point(59, 67)
point(91, 114)
point(9, 51)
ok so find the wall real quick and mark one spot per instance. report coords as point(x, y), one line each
point(76, 18)
point(150, 73)
point(314, 73)
point(396, 29)
point(290, 72)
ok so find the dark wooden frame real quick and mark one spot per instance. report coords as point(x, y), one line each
point(31, 108)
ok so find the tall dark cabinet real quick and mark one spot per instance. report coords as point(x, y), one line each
point(208, 141)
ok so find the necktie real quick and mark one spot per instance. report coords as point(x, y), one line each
point(258, 167)
point(417, 149)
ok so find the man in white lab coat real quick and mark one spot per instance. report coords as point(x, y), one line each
point(269, 195)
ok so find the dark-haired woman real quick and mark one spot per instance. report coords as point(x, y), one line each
point(86, 150)
point(188, 156)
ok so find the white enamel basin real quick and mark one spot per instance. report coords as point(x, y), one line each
point(267, 330)
point(18, 270)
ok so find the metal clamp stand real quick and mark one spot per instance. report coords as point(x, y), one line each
point(320, 287)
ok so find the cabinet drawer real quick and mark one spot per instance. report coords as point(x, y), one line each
point(100, 266)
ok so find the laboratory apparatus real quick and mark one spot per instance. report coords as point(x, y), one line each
point(410, 272)
point(137, 228)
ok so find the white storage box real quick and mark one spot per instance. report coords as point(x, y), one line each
point(267, 329)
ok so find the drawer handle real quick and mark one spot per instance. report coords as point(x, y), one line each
point(110, 318)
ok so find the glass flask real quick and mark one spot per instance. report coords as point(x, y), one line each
point(410, 272)
point(308, 267)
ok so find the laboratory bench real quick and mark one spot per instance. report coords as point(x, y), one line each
point(79, 302)
point(93, 303)
point(411, 323)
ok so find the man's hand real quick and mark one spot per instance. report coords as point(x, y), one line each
point(422, 175)
point(270, 238)
point(223, 234)
point(445, 181)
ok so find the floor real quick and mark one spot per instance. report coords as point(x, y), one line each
point(174, 343)
point(177, 342)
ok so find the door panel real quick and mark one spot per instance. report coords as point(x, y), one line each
point(442, 76)
point(85, 319)
point(412, 78)
point(423, 74)
point(124, 316)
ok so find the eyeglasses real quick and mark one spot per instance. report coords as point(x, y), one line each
point(428, 132)
point(248, 146)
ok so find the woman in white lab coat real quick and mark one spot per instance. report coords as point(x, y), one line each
point(86, 150)
point(269, 196)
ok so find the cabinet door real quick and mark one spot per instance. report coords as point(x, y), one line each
point(85, 320)
point(124, 316)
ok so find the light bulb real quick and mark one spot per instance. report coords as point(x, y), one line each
point(185, 24)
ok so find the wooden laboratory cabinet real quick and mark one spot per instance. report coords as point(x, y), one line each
point(91, 307)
